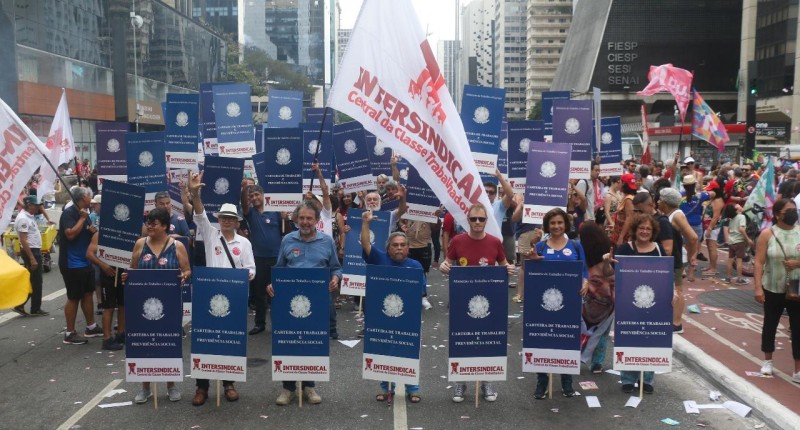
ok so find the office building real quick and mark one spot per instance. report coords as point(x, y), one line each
point(548, 26)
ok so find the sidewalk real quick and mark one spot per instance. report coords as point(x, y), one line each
point(724, 342)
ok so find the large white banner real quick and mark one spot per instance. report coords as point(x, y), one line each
point(20, 155)
point(390, 82)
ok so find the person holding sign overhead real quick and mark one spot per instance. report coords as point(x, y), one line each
point(233, 252)
point(158, 250)
point(644, 232)
point(307, 248)
point(557, 223)
point(476, 248)
point(396, 254)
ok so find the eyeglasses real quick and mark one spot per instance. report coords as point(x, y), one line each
point(491, 193)
point(477, 219)
point(644, 228)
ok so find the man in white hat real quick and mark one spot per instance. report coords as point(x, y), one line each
point(234, 252)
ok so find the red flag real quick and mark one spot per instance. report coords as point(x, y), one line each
point(647, 158)
point(677, 82)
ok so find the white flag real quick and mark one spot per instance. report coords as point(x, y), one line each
point(390, 82)
point(60, 146)
point(20, 155)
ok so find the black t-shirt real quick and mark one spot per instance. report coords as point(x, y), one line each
point(627, 249)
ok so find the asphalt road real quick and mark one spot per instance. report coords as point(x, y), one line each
point(45, 384)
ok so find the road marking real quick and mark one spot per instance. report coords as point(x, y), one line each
point(89, 406)
point(399, 407)
point(54, 295)
point(739, 350)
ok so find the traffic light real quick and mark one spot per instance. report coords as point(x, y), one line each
point(754, 87)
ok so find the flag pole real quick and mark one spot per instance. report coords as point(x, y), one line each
point(60, 179)
point(319, 145)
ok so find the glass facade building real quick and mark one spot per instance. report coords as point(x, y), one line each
point(87, 47)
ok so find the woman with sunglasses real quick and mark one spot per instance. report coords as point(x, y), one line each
point(559, 247)
point(644, 229)
point(158, 250)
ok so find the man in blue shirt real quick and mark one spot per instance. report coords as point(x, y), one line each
point(265, 236)
point(396, 254)
point(306, 248)
point(75, 233)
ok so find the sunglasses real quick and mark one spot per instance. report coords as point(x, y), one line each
point(491, 193)
point(477, 219)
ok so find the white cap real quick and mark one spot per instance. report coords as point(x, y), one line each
point(688, 160)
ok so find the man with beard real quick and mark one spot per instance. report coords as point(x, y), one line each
point(307, 248)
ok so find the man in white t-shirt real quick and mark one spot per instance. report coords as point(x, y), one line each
point(593, 191)
point(30, 244)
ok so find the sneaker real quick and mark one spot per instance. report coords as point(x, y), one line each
point(285, 397)
point(360, 333)
point(766, 368)
point(648, 389)
point(426, 303)
point(93, 332)
point(677, 329)
point(312, 396)
point(488, 391)
point(742, 281)
point(111, 344)
point(120, 338)
point(39, 313)
point(627, 388)
point(21, 310)
point(458, 392)
point(570, 393)
point(541, 391)
point(597, 369)
point(701, 257)
point(73, 338)
point(173, 393)
point(142, 397)
point(796, 377)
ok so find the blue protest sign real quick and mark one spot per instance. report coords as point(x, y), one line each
point(259, 133)
point(153, 337)
point(422, 203)
point(181, 130)
point(282, 176)
point(643, 313)
point(478, 323)
point(219, 323)
point(300, 324)
point(482, 112)
point(223, 179)
point(548, 177)
point(520, 136)
point(186, 288)
point(234, 117)
point(551, 330)
point(502, 153)
point(392, 326)
point(208, 120)
point(314, 115)
point(572, 123)
point(285, 109)
point(380, 156)
point(610, 147)
point(122, 208)
point(354, 269)
point(352, 157)
point(547, 108)
point(312, 135)
point(111, 151)
point(147, 164)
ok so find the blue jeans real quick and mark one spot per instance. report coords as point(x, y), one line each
point(292, 385)
point(599, 354)
point(410, 389)
point(631, 378)
point(332, 310)
point(566, 381)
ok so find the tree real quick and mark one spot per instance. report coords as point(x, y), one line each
point(241, 73)
point(536, 112)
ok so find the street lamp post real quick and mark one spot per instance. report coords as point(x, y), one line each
point(136, 22)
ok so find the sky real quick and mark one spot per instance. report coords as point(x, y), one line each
point(438, 16)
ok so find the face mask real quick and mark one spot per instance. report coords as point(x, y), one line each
point(790, 217)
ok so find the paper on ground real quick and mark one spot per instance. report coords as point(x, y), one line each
point(592, 401)
point(588, 385)
point(114, 405)
point(350, 343)
point(632, 402)
point(115, 392)
point(691, 407)
point(613, 372)
point(737, 408)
